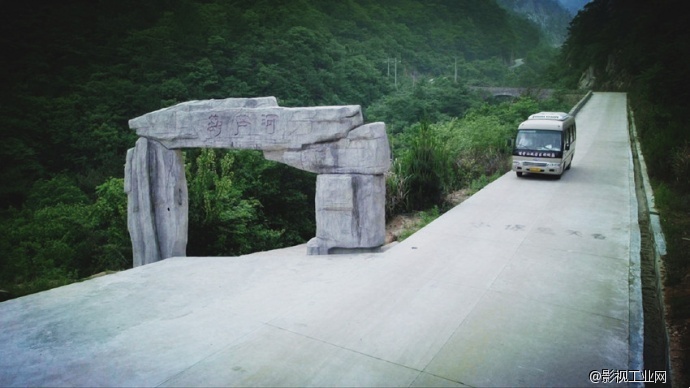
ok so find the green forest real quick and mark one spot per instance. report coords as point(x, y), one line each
point(644, 49)
point(74, 73)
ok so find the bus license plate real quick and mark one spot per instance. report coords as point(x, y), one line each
point(535, 169)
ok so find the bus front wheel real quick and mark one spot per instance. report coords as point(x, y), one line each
point(518, 173)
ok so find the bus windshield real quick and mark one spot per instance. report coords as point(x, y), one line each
point(540, 140)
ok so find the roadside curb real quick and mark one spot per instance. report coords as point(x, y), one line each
point(659, 248)
point(580, 104)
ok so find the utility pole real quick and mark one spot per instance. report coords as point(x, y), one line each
point(455, 80)
point(396, 73)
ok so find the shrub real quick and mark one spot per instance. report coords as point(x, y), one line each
point(397, 189)
point(478, 145)
point(114, 248)
point(425, 165)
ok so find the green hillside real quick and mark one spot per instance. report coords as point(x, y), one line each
point(74, 73)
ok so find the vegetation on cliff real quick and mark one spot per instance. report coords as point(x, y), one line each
point(643, 48)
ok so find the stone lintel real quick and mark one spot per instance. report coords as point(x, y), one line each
point(219, 124)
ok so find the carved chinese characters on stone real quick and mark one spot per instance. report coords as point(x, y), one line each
point(242, 124)
point(214, 126)
point(268, 123)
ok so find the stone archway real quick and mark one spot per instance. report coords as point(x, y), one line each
point(350, 158)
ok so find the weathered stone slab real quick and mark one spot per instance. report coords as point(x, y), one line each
point(219, 124)
point(350, 212)
point(165, 124)
point(157, 206)
point(365, 150)
point(140, 217)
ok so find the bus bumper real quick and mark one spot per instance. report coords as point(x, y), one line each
point(542, 168)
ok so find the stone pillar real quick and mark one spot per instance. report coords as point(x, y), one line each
point(350, 212)
point(157, 206)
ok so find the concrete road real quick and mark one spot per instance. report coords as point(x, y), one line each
point(524, 284)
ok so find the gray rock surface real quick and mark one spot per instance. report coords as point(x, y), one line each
point(350, 212)
point(157, 203)
point(331, 140)
point(365, 150)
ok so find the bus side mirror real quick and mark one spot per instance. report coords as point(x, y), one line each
point(509, 142)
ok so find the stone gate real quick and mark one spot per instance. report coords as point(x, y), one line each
point(350, 158)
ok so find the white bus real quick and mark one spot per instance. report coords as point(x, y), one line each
point(545, 144)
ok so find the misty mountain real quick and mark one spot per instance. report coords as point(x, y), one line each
point(573, 6)
point(549, 15)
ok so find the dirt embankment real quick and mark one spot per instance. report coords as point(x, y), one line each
point(401, 223)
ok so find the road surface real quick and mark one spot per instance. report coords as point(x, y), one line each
point(524, 284)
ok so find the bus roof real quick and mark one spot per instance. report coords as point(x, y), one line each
point(554, 121)
point(560, 116)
